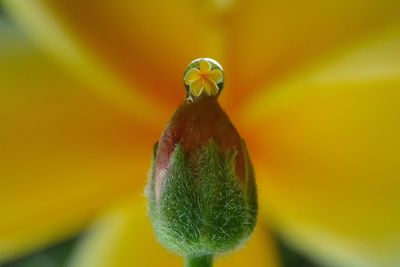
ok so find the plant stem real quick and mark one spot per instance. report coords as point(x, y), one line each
point(199, 261)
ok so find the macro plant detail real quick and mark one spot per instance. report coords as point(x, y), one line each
point(202, 193)
point(204, 75)
point(87, 88)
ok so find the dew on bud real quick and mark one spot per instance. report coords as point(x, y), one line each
point(201, 190)
point(203, 76)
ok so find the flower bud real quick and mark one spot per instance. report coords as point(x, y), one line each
point(201, 190)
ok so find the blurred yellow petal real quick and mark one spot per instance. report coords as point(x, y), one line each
point(328, 154)
point(210, 86)
point(196, 88)
point(81, 60)
point(215, 75)
point(267, 40)
point(191, 76)
point(65, 153)
point(204, 66)
point(141, 42)
point(124, 237)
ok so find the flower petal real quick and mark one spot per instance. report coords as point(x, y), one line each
point(204, 66)
point(330, 149)
point(65, 153)
point(138, 42)
point(210, 87)
point(80, 60)
point(124, 237)
point(271, 39)
point(215, 75)
point(191, 76)
point(196, 88)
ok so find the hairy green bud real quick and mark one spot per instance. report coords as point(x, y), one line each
point(201, 191)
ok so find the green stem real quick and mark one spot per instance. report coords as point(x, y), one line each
point(199, 261)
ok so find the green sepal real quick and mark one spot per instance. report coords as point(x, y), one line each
point(203, 207)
